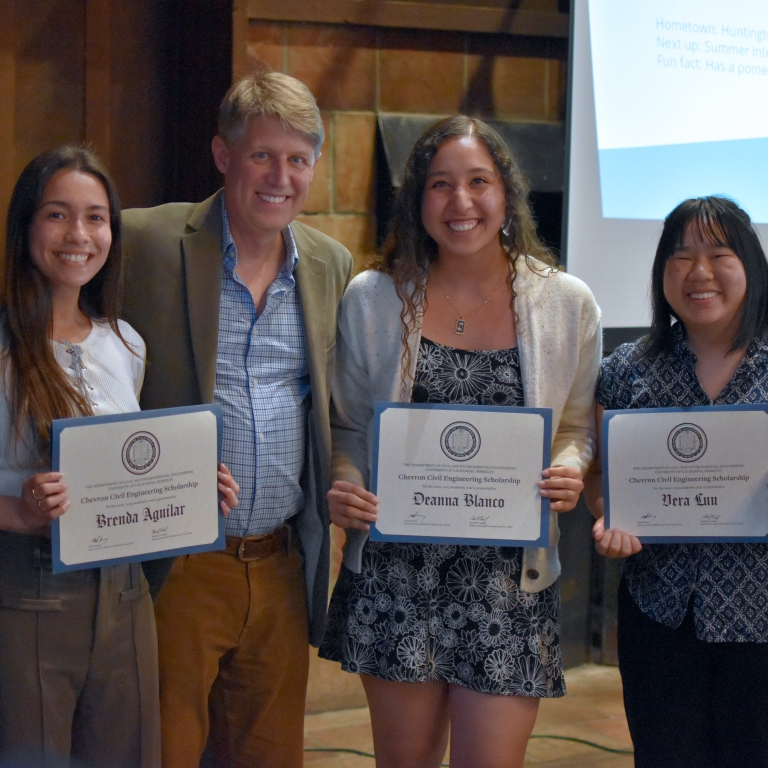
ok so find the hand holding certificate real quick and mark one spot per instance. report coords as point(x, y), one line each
point(461, 474)
point(142, 485)
point(686, 475)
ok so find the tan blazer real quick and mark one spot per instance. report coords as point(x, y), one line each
point(173, 263)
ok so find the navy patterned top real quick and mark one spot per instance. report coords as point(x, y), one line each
point(729, 582)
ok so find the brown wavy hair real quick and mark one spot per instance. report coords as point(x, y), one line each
point(38, 389)
point(409, 250)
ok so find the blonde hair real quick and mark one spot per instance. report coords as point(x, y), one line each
point(271, 94)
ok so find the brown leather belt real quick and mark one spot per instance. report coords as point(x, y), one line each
point(254, 547)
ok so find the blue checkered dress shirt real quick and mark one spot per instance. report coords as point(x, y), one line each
point(262, 384)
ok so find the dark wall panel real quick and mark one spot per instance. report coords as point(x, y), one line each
point(49, 96)
point(198, 75)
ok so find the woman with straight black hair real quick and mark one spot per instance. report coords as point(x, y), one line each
point(693, 618)
point(720, 221)
point(78, 651)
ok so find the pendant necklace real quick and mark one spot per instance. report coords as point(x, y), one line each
point(462, 321)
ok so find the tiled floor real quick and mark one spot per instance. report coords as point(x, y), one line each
point(591, 711)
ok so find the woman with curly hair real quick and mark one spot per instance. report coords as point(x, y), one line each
point(465, 305)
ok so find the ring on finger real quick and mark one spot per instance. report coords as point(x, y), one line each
point(42, 509)
point(35, 496)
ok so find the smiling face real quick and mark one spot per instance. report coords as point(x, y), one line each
point(464, 206)
point(70, 235)
point(267, 171)
point(705, 284)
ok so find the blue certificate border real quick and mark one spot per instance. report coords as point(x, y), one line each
point(546, 458)
point(59, 425)
point(608, 415)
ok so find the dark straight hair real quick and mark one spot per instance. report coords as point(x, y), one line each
point(720, 221)
point(39, 390)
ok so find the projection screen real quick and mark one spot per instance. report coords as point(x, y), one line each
point(668, 100)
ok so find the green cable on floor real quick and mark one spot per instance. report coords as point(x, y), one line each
point(534, 736)
point(584, 741)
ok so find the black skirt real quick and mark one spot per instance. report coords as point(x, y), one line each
point(419, 612)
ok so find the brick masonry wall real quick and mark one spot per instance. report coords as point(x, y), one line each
point(357, 71)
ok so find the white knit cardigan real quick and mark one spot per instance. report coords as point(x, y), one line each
point(559, 341)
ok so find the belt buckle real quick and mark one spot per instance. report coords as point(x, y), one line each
point(287, 538)
point(241, 550)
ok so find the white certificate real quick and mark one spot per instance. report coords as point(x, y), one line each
point(693, 474)
point(461, 474)
point(141, 485)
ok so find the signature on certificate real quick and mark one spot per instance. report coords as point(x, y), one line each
point(98, 539)
point(158, 531)
point(710, 518)
point(414, 517)
point(479, 519)
point(649, 516)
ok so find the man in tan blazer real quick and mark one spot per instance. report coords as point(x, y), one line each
point(237, 304)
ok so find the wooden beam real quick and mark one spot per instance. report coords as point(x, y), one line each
point(416, 15)
point(240, 34)
point(98, 80)
point(7, 113)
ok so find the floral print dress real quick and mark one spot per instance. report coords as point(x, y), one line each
point(456, 614)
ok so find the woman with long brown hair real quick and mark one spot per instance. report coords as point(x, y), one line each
point(79, 657)
point(466, 306)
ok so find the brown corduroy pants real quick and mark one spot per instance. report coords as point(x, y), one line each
point(234, 659)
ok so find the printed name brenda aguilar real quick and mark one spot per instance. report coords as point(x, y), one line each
point(147, 516)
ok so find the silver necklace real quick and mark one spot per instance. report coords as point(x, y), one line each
point(462, 321)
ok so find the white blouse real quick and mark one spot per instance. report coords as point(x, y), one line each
point(113, 377)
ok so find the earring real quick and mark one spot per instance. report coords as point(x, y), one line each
point(507, 227)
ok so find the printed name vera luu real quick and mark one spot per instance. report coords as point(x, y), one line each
point(668, 500)
point(470, 500)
